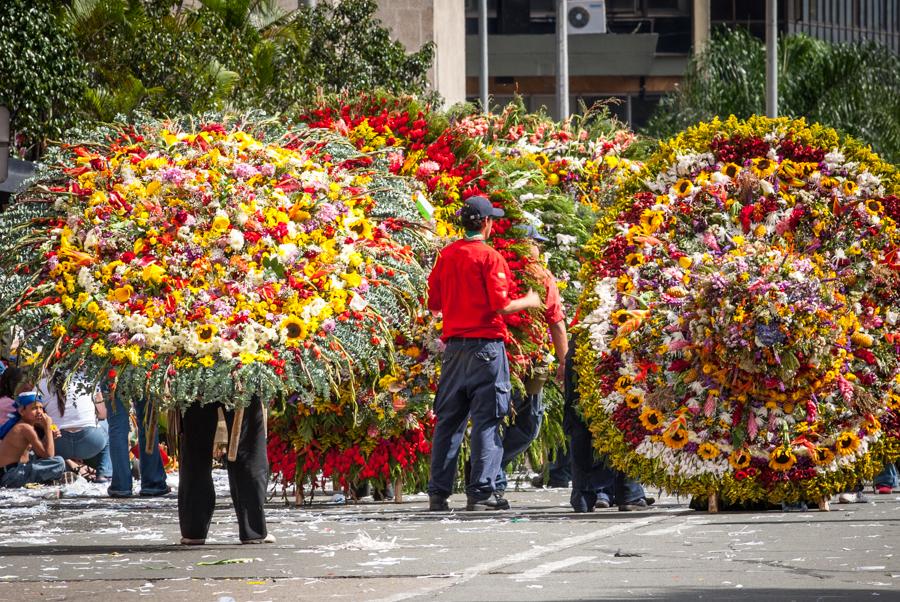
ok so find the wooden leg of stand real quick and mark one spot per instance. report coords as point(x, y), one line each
point(713, 502)
point(235, 437)
point(824, 506)
point(398, 489)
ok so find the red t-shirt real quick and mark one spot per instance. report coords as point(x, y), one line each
point(554, 310)
point(469, 284)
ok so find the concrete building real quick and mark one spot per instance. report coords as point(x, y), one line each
point(647, 43)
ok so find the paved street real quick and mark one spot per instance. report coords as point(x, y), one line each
point(83, 546)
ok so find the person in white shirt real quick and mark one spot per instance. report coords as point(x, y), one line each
point(79, 413)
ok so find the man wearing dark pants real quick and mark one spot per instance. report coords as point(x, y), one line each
point(248, 475)
point(595, 484)
point(469, 287)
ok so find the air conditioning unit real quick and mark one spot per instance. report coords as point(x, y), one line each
point(586, 16)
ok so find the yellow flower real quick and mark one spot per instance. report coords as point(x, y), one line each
point(99, 349)
point(633, 400)
point(683, 187)
point(295, 329)
point(731, 169)
point(846, 443)
point(872, 425)
point(739, 459)
point(763, 167)
point(123, 293)
point(708, 451)
point(207, 361)
point(849, 188)
point(822, 456)
point(651, 418)
point(782, 459)
point(58, 330)
point(153, 273)
point(676, 439)
point(634, 259)
point(620, 317)
point(220, 222)
point(206, 332)
point(874, 207)
point(861, 339)
point(685, 261)
point(624, 284)
point(623, 384)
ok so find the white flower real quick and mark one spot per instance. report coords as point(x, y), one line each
point(236, 239)
point(767, 187)
point(86, 280)
point(357, 303)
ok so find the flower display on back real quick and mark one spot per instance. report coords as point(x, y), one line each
point(741, 317)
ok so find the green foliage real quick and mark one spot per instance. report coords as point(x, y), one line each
point(99, 59)
point(41, 78)
point(854, 88)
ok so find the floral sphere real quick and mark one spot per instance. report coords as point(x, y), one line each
point(740, 313)
point(195, 263)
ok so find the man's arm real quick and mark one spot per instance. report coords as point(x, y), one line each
point(43, 448)
point(560, 345)
point(434, 288)
point(530, 300)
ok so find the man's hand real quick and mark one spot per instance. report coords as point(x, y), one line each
point(531, 299)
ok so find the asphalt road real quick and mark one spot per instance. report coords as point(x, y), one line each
point(87, 547)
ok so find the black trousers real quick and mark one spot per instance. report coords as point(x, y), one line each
point(248, 475)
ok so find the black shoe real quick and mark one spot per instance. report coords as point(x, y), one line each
point(495, 502)
point(650, 500)
point(437, 503)
point(601, 504)
point(640, 504)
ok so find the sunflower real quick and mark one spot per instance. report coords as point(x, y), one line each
point(846, 443)
point(633, 400)
point(651, 419)
point(623, 384)
point(205, 332)
point(676, 439)
point(731, 169)
point(620, 317)
point(763, 167)
point(739, 459)
point(708, 451)
point(295, 329)
point(624, 284)
point(635, 259)
point(849, 188)
point(541, 159)
point(873, 206)
point(822, 456)
point(683, 187)
point(782, 459)
point(872, 425)
point(651, 220)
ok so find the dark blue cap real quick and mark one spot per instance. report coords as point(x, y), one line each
point(479, 207)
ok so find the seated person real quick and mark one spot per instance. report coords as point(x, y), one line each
point(31, 428)
point(75, 407)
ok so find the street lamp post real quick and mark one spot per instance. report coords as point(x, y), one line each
point(562, 60)
point(772, 58)
point(483, 43)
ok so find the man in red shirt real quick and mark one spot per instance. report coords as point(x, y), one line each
point(469, 287)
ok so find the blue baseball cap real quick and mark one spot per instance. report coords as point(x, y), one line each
point(478, 207)
point(529, 231)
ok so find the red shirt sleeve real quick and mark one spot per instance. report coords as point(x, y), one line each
point(554, 312)
point(496, 278)
point(434, 286)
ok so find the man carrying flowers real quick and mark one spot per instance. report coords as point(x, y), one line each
point(469, 287)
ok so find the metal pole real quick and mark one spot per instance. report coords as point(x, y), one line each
point(772, 58)
point(562, 60)
point(483, 41)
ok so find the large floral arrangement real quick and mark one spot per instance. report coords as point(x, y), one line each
point(740, 316)
point(215, 262)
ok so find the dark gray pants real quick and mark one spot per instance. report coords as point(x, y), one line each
point(248, 475)
point(474, 383)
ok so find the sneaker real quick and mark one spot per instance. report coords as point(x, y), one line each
point(495, 502)
point(187, 541)
point(640, 504)
point(650, 500)
point(848, 498)
point(794, 507)
point(601, 504)
point(267, 539)
point(165, 491)
point(537, 482)
point(437, 503)
point(884, 490)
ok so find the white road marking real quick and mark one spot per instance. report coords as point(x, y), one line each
point(542, 570)
point(536, 552)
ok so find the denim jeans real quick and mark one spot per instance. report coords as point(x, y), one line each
point(517, 437)
point(153, 475)
point(37, 470)
point(474, 382)
point(888, 476)
point(90, 444)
